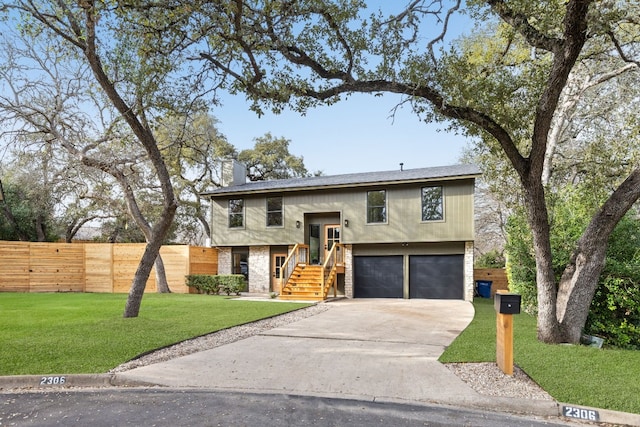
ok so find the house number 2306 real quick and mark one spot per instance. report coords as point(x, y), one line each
point(52, 380)
point(580, 413)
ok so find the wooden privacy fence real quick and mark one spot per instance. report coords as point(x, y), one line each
point(498, 277)
point(95, 267)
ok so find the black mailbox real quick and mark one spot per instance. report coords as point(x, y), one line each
point(507, 303)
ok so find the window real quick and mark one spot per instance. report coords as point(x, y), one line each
point(274, 211)
point(239, 261)
point(236, 213)
point(376, 206)
point(432, 205)
point(314, 243)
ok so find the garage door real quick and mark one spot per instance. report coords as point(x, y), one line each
point(436, 276)
point(377, 277)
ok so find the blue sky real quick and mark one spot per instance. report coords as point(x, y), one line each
point(354, 135)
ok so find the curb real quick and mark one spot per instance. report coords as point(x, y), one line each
point(54, 381)
point(61, 382)
point(565, 411)
point(586, 413)
point(542, 408)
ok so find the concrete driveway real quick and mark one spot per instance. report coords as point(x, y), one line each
point(378, 349)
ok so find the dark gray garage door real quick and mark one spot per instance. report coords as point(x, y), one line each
point(377, 277)
point(436, 276)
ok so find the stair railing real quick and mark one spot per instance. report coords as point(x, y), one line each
point(299, 254)
point(334, 257)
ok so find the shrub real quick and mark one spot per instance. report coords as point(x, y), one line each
point(214, 284)
point(521, 265)
point(491, 259)
point(615, 313)
point(615, 310)
point(232, 283)
point(204, 283)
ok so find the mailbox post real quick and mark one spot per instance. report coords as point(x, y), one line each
point(506, 305)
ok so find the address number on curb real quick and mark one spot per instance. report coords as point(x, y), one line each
point(580, 413)
point(52, 380)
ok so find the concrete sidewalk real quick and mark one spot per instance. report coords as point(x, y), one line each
point(378, 350)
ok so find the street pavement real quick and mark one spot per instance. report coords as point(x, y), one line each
point(193, 407)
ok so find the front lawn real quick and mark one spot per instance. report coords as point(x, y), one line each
point(85, 333)
point(602, 378)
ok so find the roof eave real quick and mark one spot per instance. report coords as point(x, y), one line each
point(241, 191)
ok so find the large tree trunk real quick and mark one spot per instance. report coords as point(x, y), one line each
point(577, 286)
point(162, 285)
point(40, 229)
point(580, 278)
point(548, 327)
point(134, 300)
point(151, 253)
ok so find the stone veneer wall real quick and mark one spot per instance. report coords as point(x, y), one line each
point(224, 261)
point(259, 269)
point(348, 271)
point(468, 271)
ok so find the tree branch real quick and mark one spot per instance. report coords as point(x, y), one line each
point(565, 55)
point(439, 104)
point(520, 22)
point(620, 51)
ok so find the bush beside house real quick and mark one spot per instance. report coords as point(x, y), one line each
point(214, 284)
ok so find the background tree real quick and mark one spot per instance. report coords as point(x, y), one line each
point(67, 194)
point(24, 215)
point(270, 159)
point(30, 185)
point(193, 148)
point(301, 54)
point(108, 42)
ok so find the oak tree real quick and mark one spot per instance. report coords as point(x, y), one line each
point(300, 54)
point(106, 41)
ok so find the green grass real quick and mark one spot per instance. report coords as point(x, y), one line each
point(86, 333)
point(602, 378)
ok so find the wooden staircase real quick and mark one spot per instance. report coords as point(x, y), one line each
point(305, 284)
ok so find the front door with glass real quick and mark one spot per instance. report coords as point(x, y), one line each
point(331, 237)
point(277, 262)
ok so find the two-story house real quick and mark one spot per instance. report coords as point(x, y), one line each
point(395, 234)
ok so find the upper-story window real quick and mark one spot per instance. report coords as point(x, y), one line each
point(432, 204)
point(376, 206)
point(274, 212)
point(236, 213)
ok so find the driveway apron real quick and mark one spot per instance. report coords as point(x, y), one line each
point(376, 349)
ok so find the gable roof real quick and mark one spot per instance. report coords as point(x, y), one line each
point(350, 180)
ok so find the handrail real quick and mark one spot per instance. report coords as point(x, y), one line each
point(334, 257)
point(299, 253)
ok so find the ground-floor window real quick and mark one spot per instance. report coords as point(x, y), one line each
point(240, 262)
point(314, 243)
